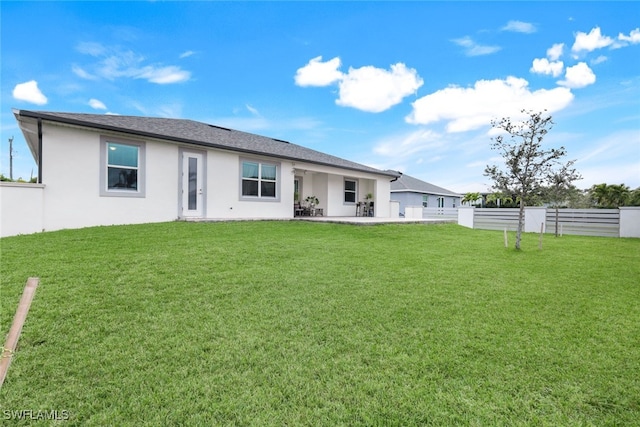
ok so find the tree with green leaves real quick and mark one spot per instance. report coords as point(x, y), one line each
point(560, 187)
point(527, 163)
point(610, 196)
point(471, 198)
point(598, 195)
point(499, 200)
point(634, 198)
point(619, 195)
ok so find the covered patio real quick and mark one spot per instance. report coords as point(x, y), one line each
point(328, 192)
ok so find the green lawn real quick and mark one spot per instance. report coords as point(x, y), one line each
point(295, 323)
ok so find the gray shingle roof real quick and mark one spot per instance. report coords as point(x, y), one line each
point(201, 134)
point(411, 184)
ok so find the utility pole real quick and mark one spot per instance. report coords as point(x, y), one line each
point(11, 158)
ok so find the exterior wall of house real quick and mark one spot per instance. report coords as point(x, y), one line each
point(71, 172)
point(407, 198)
point(223, 189)
point(379, 187)
point(324, 182)
point(72, 197)
point(338, 207)
point(320, 188)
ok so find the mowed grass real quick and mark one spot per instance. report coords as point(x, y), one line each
point(295, 323)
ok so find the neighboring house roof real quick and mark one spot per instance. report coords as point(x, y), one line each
point(196, 133)
point(408, 183)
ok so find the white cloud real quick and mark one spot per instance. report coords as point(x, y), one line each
point(520, 27)
point(253, 110)
point(172, 110)
point(599, 60)
point(624, 172)
point(80, 72)
point(374, 89)
point(406, 145)
point(119, 64)
point(578, 76)
point(543, 66)
point(29, 92)
point(633, 37)
point(474, 49)
point(91, 48)
point(116, 63)
point(592, 41)
point(318, 73)
point(550, 66)
point(97, 104)
point(555, 52)
point(471, 108)
point(611, 158)
point(367, 88)
point(187, 54)
point(162, 75)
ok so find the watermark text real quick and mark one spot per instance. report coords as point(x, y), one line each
point(35, 415)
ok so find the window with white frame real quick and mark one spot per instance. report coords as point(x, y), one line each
point(441, 202)
point(350, 190)
point(259, 180)
point(122, 168)
point(425, 201)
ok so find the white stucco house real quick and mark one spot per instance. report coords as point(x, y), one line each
point(107, 169)
point(413, 192)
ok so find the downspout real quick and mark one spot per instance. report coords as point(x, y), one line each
point(396, 178)
point(39, 151)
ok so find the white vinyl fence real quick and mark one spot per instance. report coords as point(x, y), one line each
point(21, 208)
point(440, 213)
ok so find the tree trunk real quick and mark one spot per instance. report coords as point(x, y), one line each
point(520, 225)
point(557, 215)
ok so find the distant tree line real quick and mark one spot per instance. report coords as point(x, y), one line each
point(599, 196)
point(613, 196)
point(7, 179)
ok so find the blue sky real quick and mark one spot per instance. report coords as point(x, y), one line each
point(409, 86)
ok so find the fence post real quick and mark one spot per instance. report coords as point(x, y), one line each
point(465, 216)
point(541, 233)
point(533, 217)
point(630, 221)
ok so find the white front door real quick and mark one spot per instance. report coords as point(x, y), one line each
point(192, 184)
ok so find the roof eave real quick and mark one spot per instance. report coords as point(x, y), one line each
point(70, 121)
point(436, 193)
